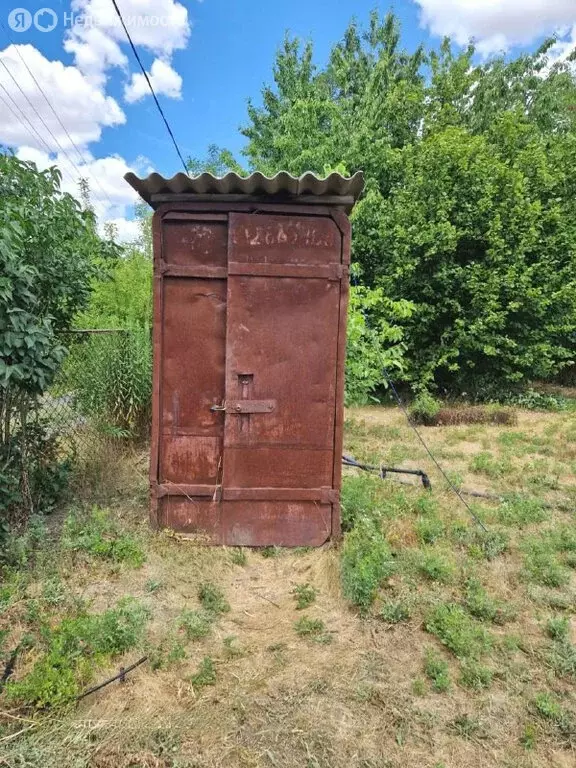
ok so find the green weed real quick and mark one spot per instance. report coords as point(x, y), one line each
point(528, 737)
point(558, 627)
point(194, 624)
point(429, 529)
point(360, 498)
point(482, 606)
point(212, 599)
point(519, 511)
point(485, 463)
point(436, 669)
point(205, 674)
point(435, 566)
point(541, 563)
point(395, 612)
point(550, 710)
point(305, 595)
point(561, 656)
point(475, 676)
point(458, 631)
point(366, 563)
point(96, 533)
point(314, 629)
point(238, 556)
point(71, 651)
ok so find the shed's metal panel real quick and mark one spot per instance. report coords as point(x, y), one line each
point(249, 345)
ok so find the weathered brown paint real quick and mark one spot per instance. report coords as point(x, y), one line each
point(250, 304)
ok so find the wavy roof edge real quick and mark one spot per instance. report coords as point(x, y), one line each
point(282, 184)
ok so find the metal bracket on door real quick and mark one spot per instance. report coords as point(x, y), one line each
point(239, 407)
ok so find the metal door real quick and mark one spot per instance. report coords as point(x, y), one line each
point(252, 307)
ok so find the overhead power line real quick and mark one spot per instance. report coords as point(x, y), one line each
point(46, 126)
point(135, 52)
point(56, 115)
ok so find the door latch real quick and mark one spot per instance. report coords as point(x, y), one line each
point(246, 406)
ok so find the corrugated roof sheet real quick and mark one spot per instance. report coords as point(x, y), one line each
point(282, 184)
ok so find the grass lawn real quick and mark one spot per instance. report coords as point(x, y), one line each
point(422, 640)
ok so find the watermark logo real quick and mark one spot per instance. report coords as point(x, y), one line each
point(45, 20)
point(19, 20)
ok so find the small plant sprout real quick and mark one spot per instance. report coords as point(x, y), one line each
point(305, 595)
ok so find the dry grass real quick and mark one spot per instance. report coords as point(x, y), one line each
point(362, 700)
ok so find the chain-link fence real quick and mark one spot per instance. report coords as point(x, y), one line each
point(103, 386)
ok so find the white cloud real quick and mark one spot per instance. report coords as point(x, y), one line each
point(82, 107)
point(164, 79)
point(160, 26)
point(496, 25)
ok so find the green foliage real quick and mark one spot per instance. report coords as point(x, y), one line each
point(313, 629)
point(424, 409)
point(194, 624)
point(360, 498)
point(74, 649)
point(395, 612)
point(519, 511)
point(436, 669)
point(542, 564)
point(49, 253)
point(561, 656)
point(479, 603)
point(433, 565)
point(558, 627)
point(96, 533)
point(205, 675)
point(475, 676)
point(458, 631)
point(366, 562)
point(111, 377)
point(468, 212)
point(374, 341)
point(305, 595)
point(551, 711)
point(238, 556)
point(213, 599)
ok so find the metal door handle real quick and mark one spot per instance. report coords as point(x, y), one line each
point(218, 408)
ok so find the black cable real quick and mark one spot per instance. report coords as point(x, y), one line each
point(135, 52)
point(430, 454)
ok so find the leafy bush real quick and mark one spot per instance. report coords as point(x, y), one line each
point(395, 612)
point(374, 341)
point(424, 409)
point(479, 603)
point(366, 562)
point(475, 675)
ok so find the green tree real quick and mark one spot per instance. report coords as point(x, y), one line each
point(49, 253)
point(468, 211)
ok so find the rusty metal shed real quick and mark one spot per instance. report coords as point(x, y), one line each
point(250, 299)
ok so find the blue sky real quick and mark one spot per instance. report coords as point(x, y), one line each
point(205, 59)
